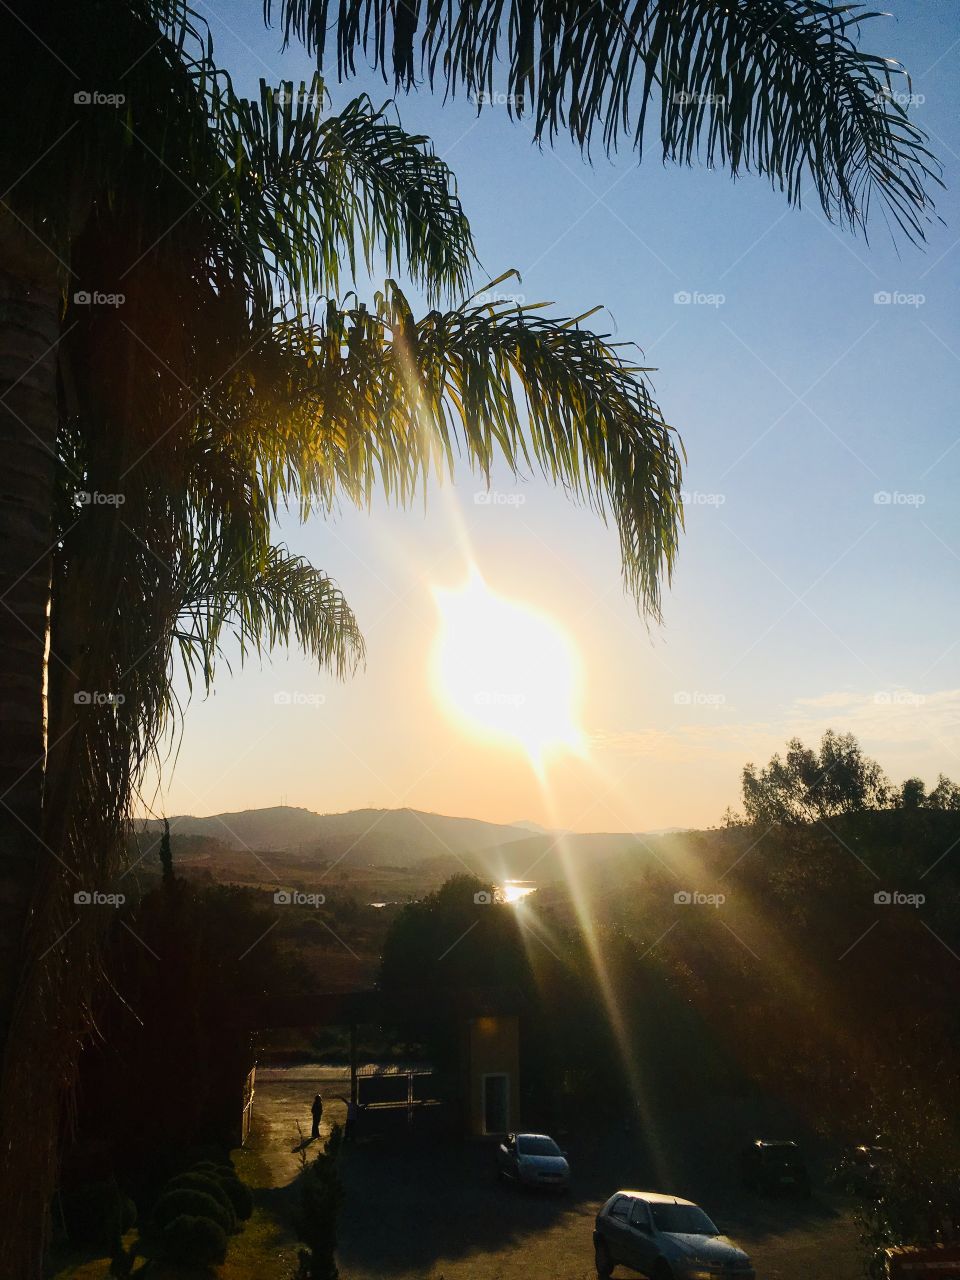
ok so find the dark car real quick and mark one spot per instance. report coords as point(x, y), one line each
point(772, 1167)
point(665, 1238)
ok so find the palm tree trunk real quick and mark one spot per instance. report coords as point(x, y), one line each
point(29, 332)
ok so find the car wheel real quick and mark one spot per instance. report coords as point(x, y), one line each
point(603, 1260)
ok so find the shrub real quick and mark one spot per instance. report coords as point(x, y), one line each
point(195, 1242)
point(241, 1197)
point(209, 1185)
point(194, 1204)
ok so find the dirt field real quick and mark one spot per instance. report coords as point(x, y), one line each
point(436, 1212)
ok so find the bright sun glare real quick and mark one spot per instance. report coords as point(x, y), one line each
point(506, 672)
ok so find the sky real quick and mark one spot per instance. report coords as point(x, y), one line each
point(818, 578)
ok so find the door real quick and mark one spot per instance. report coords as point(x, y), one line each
point(496, 1103)
point(643, 1249)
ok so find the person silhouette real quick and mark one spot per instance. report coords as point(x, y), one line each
point(316, 1111)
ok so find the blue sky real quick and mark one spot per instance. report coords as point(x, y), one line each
point(799, 601)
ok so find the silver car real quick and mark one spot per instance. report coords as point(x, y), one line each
point(533, 1160)
point(665, 1238)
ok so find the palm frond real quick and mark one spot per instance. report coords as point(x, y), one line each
point(776, 86)
point(376, 400)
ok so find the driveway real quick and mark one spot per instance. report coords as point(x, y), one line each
point(418, 1211)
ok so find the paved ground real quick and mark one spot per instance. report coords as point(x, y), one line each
point(417, 1211)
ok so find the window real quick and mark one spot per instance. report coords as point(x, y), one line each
point(640, 1215)
point(620, 1208)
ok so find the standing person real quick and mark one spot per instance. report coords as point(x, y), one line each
point(317, 1112)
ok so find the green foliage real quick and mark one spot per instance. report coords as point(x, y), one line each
point(209, 1185)
point(320, 1199)
point(807, 785)
point(241, 1197)
point(194, 1241)
point(196, 1204)
point(776, 86)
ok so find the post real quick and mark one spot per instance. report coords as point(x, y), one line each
point(353, 1063)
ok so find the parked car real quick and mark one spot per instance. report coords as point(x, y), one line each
point(533, 1160)
point(774, 1167)
point(665, 1238)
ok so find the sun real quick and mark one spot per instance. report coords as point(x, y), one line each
point(507, 673)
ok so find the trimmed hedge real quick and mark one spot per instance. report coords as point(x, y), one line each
point(209, 1186)
point(194, 1241)
point(241, 1197)
point(194, 1204)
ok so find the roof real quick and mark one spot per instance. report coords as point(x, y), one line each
point(657, 1197)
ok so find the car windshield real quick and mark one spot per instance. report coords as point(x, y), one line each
point(537, 1147)
point(789, 1157)
point(682, 1219)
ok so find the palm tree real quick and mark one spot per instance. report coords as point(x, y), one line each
point(185, 415)
point(209, 397)
point(776, 86)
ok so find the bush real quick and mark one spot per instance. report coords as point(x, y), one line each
point(194, 1204)
point(195, 1242)
point(241, 1197)
point(209, 1185)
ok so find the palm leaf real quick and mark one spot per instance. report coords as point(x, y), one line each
point(780, 87)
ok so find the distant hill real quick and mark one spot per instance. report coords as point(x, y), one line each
point(381, 837)
point(395, 838)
